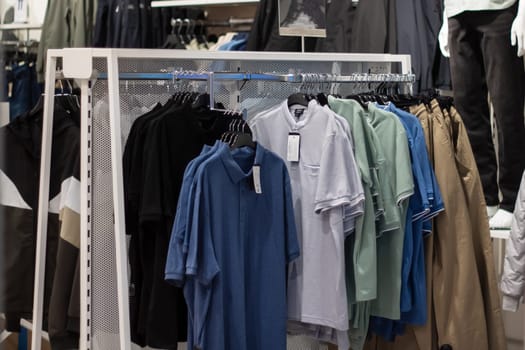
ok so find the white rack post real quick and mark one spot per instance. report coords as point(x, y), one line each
point(118, 202)
point(43, 205)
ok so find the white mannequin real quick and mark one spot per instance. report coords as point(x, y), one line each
point(517, 32)
point(499, 218)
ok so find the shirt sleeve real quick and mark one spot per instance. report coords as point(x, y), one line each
point(178, 249)
point(201, 261)
point(404, 181)
point(431, 188)
point(339, 179)
point(187, 196)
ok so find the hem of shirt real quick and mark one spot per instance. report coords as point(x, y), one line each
point(390, 316)
point(302, 329)
point(404, 195)
point(389, 229)
point(191, 271)
point(421, 214)
point(333, 336)
point(378, 213)
point(433, 214)
point(353, 214)
point(343, 326)
point(174, 278)
point(360, 296)
point(325, 205)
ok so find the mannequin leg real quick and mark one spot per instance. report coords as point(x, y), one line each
point(506, 84)
point(470, 97)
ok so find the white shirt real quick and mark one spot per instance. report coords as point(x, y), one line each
point(455, 7)
point(324, 181)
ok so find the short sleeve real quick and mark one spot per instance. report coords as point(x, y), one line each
point(292, 244)
point(177, 250)
point(339, 179)
point(201, 261)
point(186, 196)
point(404, 181)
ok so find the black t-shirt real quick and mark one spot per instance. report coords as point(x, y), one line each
point(164, 143)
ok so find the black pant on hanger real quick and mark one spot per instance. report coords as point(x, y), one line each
point(482, 59)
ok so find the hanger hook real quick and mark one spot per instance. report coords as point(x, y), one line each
point(178, 22)
point(61, 86)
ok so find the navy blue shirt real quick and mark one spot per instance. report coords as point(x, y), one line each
point(239, 245)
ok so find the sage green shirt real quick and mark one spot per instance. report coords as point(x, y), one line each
point(394, 143)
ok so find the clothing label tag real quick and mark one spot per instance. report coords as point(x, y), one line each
point(298, 113)
point(294, 142)
point(257, 179)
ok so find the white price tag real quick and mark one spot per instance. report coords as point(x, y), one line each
point(256, 171)
point(21, 11)
point(294, 143)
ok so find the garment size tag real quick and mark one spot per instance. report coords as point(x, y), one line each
point(294, 143)
point(257, 179)
point(298, 113)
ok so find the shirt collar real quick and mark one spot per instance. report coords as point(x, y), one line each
point(233, 169)
point(294, 124)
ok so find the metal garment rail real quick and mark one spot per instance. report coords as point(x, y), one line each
point(308, 78)
point(78, 64)
point(287, 78)
point(313, 78)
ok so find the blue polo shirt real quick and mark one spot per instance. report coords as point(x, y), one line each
point(243, 241)
point(423, 206)
point(179, 241)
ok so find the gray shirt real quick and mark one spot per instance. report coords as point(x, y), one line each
point(455, 7)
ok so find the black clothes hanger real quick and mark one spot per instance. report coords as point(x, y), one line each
point(175, 40)
point(243, 140)
point(322, 99)
point(359, 98)
point(201, 101)
point(298, 99)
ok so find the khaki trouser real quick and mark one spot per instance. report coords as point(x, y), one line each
point(464, 309)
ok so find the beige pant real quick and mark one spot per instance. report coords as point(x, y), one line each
point(464, 308)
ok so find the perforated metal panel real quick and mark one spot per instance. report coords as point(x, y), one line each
point(135, 98)
point(104, 309)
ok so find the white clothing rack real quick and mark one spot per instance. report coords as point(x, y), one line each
point(103, 257)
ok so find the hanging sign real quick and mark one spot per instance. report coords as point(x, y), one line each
point(302, 18)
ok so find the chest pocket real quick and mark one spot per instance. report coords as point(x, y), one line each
point(311, 170)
